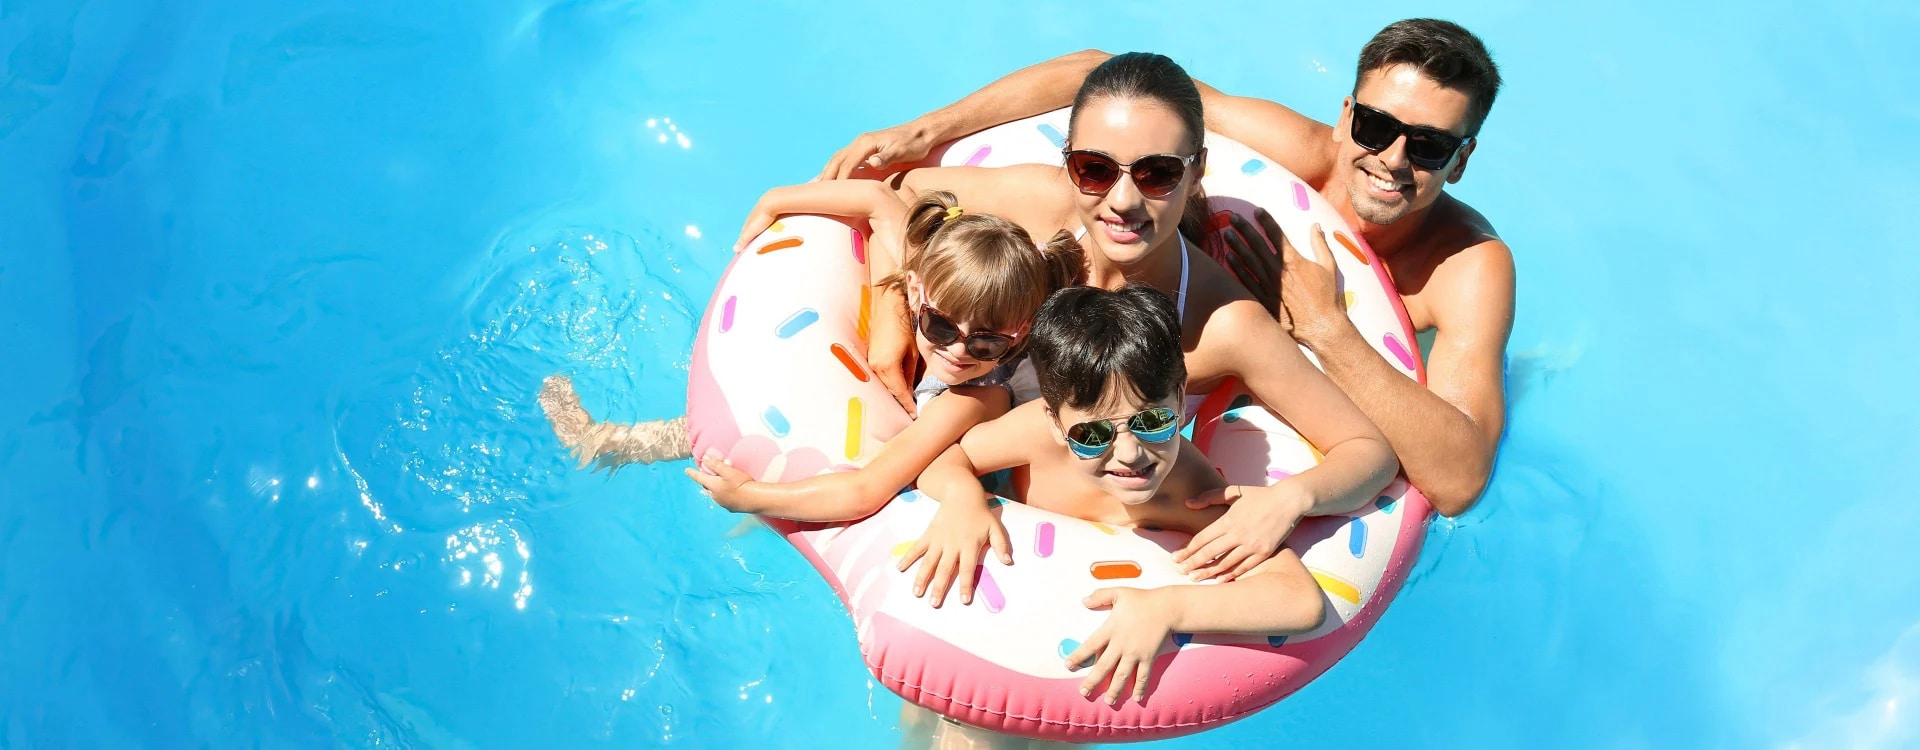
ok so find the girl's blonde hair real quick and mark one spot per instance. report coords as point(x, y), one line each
point(982, 269)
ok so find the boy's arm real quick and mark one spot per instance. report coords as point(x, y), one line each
point(965, 523)
point(847, 496)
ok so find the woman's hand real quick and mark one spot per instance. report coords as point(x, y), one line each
point(726, 485)
point(951, 549)
point(762, 216)
point(1125, 645)
point(1248, 534)
point(890, 347)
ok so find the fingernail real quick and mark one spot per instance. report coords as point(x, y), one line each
point(1085, 693)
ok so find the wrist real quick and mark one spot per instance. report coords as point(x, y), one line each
point(1333, 331)
point(1169, 603)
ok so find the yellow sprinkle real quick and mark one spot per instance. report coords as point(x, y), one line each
point(778, 226)
point(1104, 529)
point(854, 413)
point(1348, 298)
point(901, 548)
point(1336, 585)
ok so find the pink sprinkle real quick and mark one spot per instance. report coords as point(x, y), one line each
point(979, 156)
point(1300, 196)
point(1278, 473)
point(1399, 351)
point(859, 247)
point(990, 592)
point(1043, 539)
point(726, 314)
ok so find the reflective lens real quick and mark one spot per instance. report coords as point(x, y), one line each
point(1156, 176)
point(985, 346)
point(1427, 148)
point(1092, 438)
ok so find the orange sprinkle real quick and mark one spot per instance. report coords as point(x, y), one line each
point(1343, 239)
point(1107, 571)
point(866, 311)
point(847, 361)
point(780, 245)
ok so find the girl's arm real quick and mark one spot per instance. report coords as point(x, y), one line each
point(847, 496)
point(1277, 597)
point(966, 523)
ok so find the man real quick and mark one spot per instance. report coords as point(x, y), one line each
point(1422, 90)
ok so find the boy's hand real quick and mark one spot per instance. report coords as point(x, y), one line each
point(1248, 534)
point(951, 549)
point(724, 484)
point(1126, 644)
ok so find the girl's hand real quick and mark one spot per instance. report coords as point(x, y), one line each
point(1126, 644)
point(726, 485)
point(951, 549)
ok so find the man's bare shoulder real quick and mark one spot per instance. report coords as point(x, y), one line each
point(1472, 268)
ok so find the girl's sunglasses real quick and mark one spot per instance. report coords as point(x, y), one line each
point(1427, 148)
point(1156, 176)
point(1093, 438)
point(985, 346)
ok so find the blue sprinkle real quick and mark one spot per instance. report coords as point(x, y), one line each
point(798, 322)
point(1276, 641)
point(1053, 134)
point(908, 496)
point(1068, 646)
point(776, 422)
point(1182, 639)
point(1231, 417)
point(1385, 504)
point(1241, 401)
point(1357, 539)
point(996, 502)
point(1252, 167)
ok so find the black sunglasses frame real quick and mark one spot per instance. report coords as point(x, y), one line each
point(1419, 138)
point(923, 318)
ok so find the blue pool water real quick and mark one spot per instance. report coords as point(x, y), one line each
point(279, 279)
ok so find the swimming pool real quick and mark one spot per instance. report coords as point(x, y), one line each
point(280, 280)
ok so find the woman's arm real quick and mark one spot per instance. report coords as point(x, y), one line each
point(1357, 462)
point(856, 199)
point(1277, 597)
point(847, 496)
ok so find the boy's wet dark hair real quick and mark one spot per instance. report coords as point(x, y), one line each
point(1090, 345)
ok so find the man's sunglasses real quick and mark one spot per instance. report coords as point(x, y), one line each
point(985, 346)
point(1093, 438)
point(1156, 176)
point(1428, 148)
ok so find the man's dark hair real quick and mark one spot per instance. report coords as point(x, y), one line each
point(1443, 51)
point(1085, 338)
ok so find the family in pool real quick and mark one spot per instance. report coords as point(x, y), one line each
point(1075, 361)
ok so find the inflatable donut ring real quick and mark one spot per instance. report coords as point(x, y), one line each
point(779, 386)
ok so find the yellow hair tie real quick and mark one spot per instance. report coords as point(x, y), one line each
point(953, 212)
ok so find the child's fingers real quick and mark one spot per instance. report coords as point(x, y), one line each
point(997, 537)
point(1140, 678)
point(1122, 675)
point(1109, 659)
point(913, 555)
point(925, 576)
point(943, 580)
point(968, 570)
point(1084, 656)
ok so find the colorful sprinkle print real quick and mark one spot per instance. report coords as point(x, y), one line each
point(1221, 220)
point(1053, 134)
point(1399, 351)
point(775, 421)
point(856, 412)
point(859, 247)
point(847, 361)
point(1347, 298)
point(1300, 196)
point(1385, 504)
point(1043, 540)
point(778, 226)
point(780, 245)
point(1357, 537)
point(990, 592)
point(1182, 639)
point(1114, 569)
point(726, 314)
point(901, 548)
point(1068, 646)
point(979, 156)
point(1253, 167)
point(866, 312)
point(1104, 529)
point(796, 323)
point(1241, 401)
point(1278, 474)
point(1348, 243)
point(1276, 641)
point(1335, 585)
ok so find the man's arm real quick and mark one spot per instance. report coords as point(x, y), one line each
point(1446, 433)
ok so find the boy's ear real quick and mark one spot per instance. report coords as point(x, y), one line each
point(1053, 426)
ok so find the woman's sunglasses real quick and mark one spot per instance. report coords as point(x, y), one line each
point(1427, 148)
point(985, 346)
point(1156, 176)
point(1093, 438)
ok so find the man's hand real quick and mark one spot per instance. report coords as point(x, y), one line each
point(1248, 534)
point(1251, 258)
point(1311, 308)
point(900, 144)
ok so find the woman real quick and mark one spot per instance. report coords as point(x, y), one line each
point(1131, 192)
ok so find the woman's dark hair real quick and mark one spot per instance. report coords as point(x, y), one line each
point(1443, 51)
point(1145, 75)
point(1091, 345)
